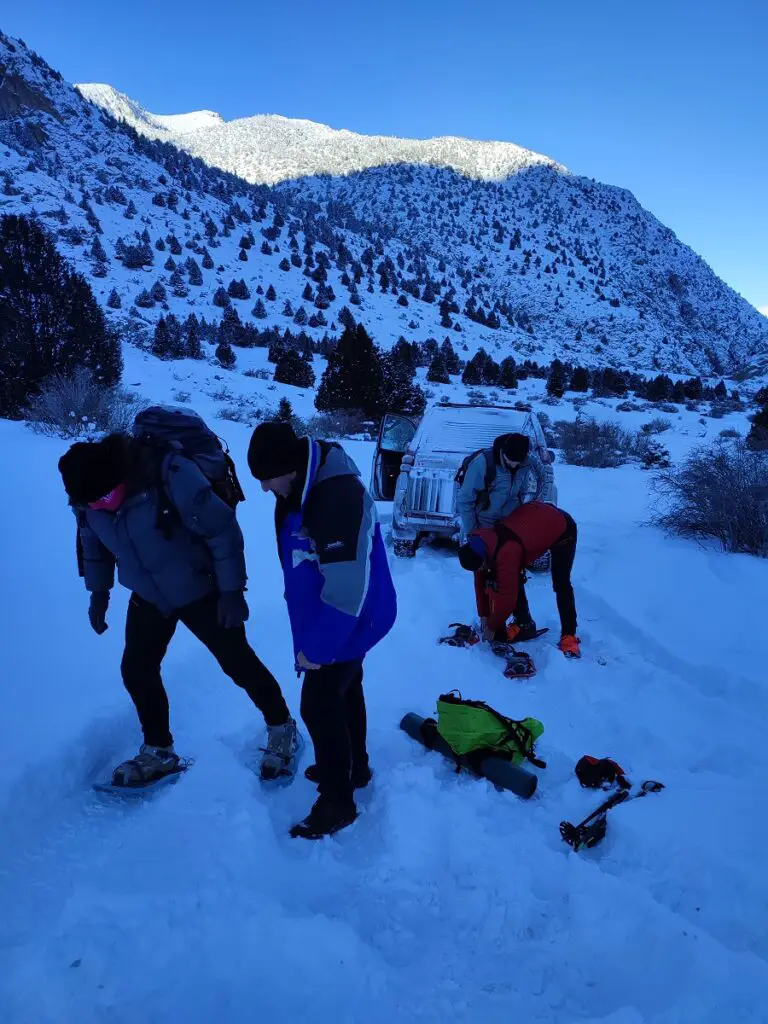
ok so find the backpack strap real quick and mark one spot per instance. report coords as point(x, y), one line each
point(484, 498)
point(520, 735)
point(504, 535)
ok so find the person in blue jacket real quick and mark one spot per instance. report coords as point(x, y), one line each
point(341, 603)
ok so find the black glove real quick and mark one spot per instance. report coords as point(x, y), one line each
point(232, 611)
point(97, 611)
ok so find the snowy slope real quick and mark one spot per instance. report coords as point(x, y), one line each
point(447, 901)
point(268, 148)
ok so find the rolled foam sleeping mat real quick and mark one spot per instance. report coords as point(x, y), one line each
point(501, 773)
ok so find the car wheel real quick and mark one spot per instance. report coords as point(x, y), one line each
point(405, 548)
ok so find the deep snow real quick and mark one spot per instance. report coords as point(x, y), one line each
point(446, 901)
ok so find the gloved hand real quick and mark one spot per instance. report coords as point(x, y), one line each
point(97, 611)
point(232, 611)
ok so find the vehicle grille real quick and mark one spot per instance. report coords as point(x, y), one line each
point(430, 494)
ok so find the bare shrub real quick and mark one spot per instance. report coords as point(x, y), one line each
point(657, 425)
point(341, 423)
point(245, 412)
point(729, 432)
point(77, 405)
point(258, 374)
point(720, 493)
point(585, 442)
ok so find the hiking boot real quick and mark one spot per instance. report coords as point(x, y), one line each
point(519, 632)
point(149, 765)
point(325, 818)
point(360, 777)
point(279, 760)
point(569, 645)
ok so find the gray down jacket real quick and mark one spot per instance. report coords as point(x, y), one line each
point(202, 552)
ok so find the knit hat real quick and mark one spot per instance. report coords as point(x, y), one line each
point(472, 555)
point(91, 469)
point(514, 446)
point(275, 450)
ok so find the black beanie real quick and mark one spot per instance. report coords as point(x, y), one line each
point(514, 446)
point(470, 557)
point(275, 450)
point(91, 469)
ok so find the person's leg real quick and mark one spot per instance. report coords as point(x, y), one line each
point(326, 715)
point(522, 611)
point(563, 555)
point(147, 635)
point(236, 658)
point(357, 723)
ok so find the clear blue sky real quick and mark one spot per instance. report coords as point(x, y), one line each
point(668, 98)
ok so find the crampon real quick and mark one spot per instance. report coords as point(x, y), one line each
point(462, 636)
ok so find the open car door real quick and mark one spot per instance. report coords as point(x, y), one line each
point(395, 435)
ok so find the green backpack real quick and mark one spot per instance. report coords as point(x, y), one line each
point(470, 727)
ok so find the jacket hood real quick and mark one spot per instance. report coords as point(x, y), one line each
point(335, 464)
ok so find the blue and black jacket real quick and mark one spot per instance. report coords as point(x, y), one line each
point(338, 587)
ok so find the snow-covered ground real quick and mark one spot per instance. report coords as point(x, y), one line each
point(447, 901)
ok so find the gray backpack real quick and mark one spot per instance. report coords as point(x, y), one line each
point(169, 429)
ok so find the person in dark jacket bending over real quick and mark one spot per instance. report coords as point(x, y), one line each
point(193, 572)
point(498, 556)
point(341, 603)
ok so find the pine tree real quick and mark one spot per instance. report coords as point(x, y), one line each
point(301, 316)
point(158, 292)
point(271, 294)
point(144, 300)
point(225, 356)
point(292, 369)
point(207, 261)
point(221, 298)
point(230, 330)
point(451, 359)
point(757, 438)
point(288, 309)
point(354, 376)
point(50, 321)
point(284, 412)
point(721, 392)
point(194, 349)
point(508, 374)
point(161, 342)
point(556, 379)
point(114, 301)
point(579, 380)
point(98, 254)
point(678, 392)
point(473, 371)
point(438, 373)
point(259, 310)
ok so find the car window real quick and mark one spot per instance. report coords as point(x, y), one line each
point(396, 434)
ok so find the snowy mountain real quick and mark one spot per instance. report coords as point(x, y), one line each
point(268, 148)
point(538, 264)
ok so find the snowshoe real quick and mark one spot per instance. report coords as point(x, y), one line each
point(519, 665)
point(463, 636)
point(325, 819)
point(281, 754)
point(360, 779)
point(152, 768)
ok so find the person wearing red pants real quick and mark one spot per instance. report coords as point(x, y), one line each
point(498, 556)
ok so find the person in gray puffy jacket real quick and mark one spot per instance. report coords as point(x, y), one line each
point(181, 554)
point(518, 478)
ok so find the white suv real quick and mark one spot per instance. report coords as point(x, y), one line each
point(416, 464)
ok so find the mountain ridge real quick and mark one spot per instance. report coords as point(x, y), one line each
point(540, 264)
point(255, 147)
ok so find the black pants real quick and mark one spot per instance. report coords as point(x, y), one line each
point(147, 635)
point(563, 553)
point(333, 709)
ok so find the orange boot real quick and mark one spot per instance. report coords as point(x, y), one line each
point(569, 645)
point(520, 632)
